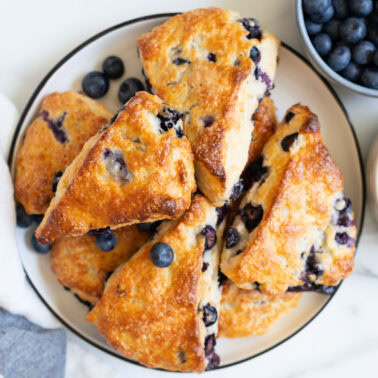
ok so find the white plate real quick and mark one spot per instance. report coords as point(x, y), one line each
point(296, 82)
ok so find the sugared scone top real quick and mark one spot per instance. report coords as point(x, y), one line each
point(247, 313)
point(65, 121)
point(294, 228)
point(137, 169)
point(213, 66)
point(164, 313)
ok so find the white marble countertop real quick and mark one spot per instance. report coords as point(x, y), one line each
point(343, 339)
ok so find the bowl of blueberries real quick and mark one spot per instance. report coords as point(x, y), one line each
point(341, 39)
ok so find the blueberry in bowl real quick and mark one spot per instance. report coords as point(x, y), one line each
point(341, 41)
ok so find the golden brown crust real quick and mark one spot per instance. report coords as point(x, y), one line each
point(249, 312)
point(297, 198)
point(79, 265)
point(223, 88)
point(157, 181)
point(152, 314)
point(42, 154)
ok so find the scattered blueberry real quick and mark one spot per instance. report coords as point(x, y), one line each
point(40, 248)
point(149, 226)
point(252, 26)
point(324, 17)
point(339, 58)
point(210, 315)
point(332, 29)
point(316, 6)
point(287, 141)
point(363, 52)
point(255, 54)
point(180, 61)
point(369, 78)
point(128, 89)
point(352, 72)
point(95, 84)
point(106, 242)
point(232, 237)
point(375, 58)
point(212, 57)
point(361, 8)
point(210, 237)
point(251, 216)
point(322, 43)
point(113, 67)
point(352, 30)
point(341, 9)
point(312, 27)
point(56, 180)
point(161, 255)
point(23, 220)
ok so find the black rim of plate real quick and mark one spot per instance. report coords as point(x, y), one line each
point(146, 18)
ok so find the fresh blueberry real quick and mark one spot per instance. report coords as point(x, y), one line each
point(352, 72)
point(212, 57)
point(149, 226)
point(106, 242)
point(339, 58)
point(210, 315)
point(369, 78)
point(287, 141)
point(255, 54)
point(322, 43)
point(324, 17)
point(352, 30)
point(113, 67)
point(361, 8)
point(23, 220)
point(341, 9)
point(56, 180)
point(316, 6)
point(373, 33)
point(232, 237)
point(161, 255)
point(210, 237)
point(375, 58)
point(95, 84)
point(332, 29)
point(128, 89)
point(40, 248)
point(363, 52)
point(251, 216)
point(312, 28)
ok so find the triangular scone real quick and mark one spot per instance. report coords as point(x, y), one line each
point(138, 169)
point(294, 227)
point(214, 67)
point(64, 123)
point(249, 312)
point(157, 315)
point(81, 267)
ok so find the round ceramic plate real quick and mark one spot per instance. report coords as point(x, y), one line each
point(296, 82)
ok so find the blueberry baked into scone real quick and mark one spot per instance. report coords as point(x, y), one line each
point(214, 67)
point(65, 121)
point(82, 267)
point(249, 312)
point(139, 168)
point(294, 229)
point(161, 307)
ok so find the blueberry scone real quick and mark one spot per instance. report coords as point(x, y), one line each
point(249, 312)
point(82, 267)
point(214, 67)
point(64, 123)
point(294, 228)
point(161, 307)
point(139, 168)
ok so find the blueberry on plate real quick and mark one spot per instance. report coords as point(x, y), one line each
point(361, 8)
point(375, 58)
point(341, 9)
point(106, 242)
point(339, 58)
point(40, 248)
point(23, 220)
point(322, 43)
point(369, 78)
point(161, 255)
point(113, 67)
point(316, 6)
point(363, 52)
point(351, 72)
point(332, 29)
point(324, 17)
point(312, 27)
point(128, 89)
point(352, 30)
point(95, 84)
